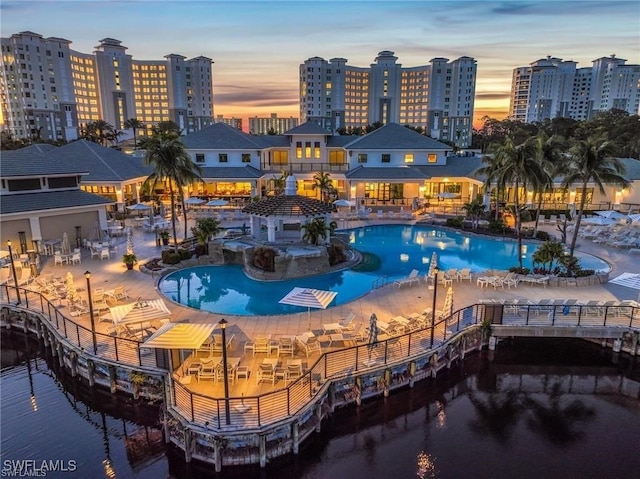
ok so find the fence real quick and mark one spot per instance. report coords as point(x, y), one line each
point(270, 408)
point(267, 409)
point(123, 350)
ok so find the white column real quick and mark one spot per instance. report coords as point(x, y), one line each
point(34, 225)
point(102, 218)
point(271, 230)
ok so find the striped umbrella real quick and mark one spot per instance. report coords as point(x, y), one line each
point(129, 242)
point(432, 265)
point(447, 309)
point(309, 298)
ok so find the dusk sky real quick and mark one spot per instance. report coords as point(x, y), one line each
point(258, 46)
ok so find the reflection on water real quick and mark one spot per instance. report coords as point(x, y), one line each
point(543, 408)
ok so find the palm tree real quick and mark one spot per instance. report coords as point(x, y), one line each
point(172, 166)
point(491, 172)
point(591, 161)
point(518, 166)
point(475, 210)
point(280, 182)
point(317, 228)
point(135, 125)
point(187, 176)
point(98, 131)
point(322, 181)
point(548, 152)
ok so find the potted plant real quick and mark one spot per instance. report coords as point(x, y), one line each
point(165, 235)
point(129, 259)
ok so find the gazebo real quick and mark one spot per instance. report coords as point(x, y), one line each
point(288, 207)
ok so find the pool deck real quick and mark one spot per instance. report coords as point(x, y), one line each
point(385, 302)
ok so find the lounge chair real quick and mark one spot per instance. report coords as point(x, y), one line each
point(308, 343)
point(464, 274)
point(410, 279)
point(510, 279)
point(343, 324)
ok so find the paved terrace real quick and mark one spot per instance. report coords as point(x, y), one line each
point(385, 302)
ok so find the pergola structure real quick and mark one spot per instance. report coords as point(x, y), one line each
point(288, 207)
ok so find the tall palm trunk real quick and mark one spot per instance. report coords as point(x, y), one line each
point(579, 218)
point(538, 208)
point(516, 203)
point(173, 215)
point(184, 213)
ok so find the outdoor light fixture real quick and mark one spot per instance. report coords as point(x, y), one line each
point(433, 310)
point(87, 274)
point(13, 270)
point(223, 326)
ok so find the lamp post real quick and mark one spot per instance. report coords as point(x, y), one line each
point(433, 309)
point(13, 270)
point(223, 326)
point(87, 275)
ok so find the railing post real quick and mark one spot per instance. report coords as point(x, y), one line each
point(192, 407)
point(606, 311)
point(260, 420)
point(78, 334)
point(115, 346)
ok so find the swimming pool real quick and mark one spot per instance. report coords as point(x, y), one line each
point(400, 248)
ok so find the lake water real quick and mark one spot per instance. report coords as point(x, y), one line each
point(539, 408)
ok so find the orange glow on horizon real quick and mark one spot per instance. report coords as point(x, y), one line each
point(495, 110)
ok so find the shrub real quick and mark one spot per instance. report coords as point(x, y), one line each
point(543, 235)
point(184, 254)
point(498, 226)
point(201, 250)
point(519, 270)
point(170, 257)
point(455, 222)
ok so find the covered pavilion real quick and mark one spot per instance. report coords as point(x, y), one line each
point(287, 208)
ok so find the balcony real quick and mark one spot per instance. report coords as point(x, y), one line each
point(304, 167)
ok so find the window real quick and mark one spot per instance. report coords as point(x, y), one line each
point(386, 158)
point(336, 157)
point(299, 149)
point(408, 157)
point(316, 149)
point(280, 157)
point(246, 157)
point(307, 149)
point(432, 158)
point(222, 157)
point(199, 157)
point(362, 157)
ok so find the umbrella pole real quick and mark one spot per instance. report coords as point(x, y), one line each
point(309, 318)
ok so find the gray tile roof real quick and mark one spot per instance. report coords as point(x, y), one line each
point(49, 200)
point(307, 128)
point(388, 173)
point(457, 166)
point(340, 141)
point(271, 141)
point(396, 137)
point(31, 162)
point(103, 164)
point(231, 172)
point(288, 205)
point(632, 168)
point(221, 136)
point(41, 148)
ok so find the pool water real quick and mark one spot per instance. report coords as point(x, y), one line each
point(398, 248)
